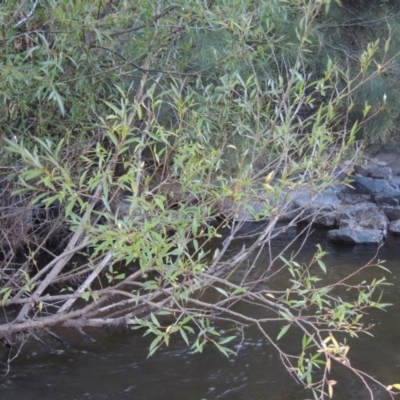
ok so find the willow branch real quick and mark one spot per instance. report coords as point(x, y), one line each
point(68, 304)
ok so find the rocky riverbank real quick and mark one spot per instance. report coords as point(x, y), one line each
point(365, 209)
point(362, 208)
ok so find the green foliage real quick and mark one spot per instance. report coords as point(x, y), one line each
point(352, 28)
point(144, 122)
point(314, 301)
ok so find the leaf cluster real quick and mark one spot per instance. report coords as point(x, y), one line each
point(151, 127)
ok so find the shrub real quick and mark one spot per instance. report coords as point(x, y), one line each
point(143, 124)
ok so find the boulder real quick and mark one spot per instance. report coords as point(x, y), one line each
point(384, 199)
point(380, 173)
point(366, 185)
point(363, 216)
point(395, 182)
point(326, 219)
point(324, 201)
point(374, 172)
point(358, 169)
point(299, 199)
point(319, 209)
point(351, 197)
point(359, 211)
point(356, 236)
point(254, 209)
point(392, 212)
point(394, 227)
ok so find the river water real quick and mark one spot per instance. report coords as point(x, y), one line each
point(117, 367)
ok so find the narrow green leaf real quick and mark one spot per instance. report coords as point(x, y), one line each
point(154, 345)
point(283, 331)
point(154, 319)
point(322, 265)
point(239, 290)
point(222, 291)
point(226, 340)
point(6, 296)
point(184, 336)
point(286, 316)
point(69, 207)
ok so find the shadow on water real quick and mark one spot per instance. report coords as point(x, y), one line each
point(116, 366)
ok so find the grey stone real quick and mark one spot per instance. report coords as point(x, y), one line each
point(333, 190)
point(354, 198)
point(325, 202)
point(394, 227)
point(367, 185)
point(381, 173)
point(382, 198)
point(363, 215)
point(325, 219)
point(299, 199)
point(340, 173)
point(391, 212)
point(358, 169)
point(374, 172)
point(254, 210)
point(314, 203)
point(356, 236)
point(395, 182)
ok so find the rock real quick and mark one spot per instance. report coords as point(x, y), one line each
point(340, 173)
point(325, 202)
point(325, 219)
point(375, 172)
point(356, 236)
point(360, 170)
point(359, 211)
point(391, 212)
point(394, 227)
point(318, 209)
point(363, 216)
point(395, 182)
point(367, 185)
point(254, 210)
point(354, 198)
point(314, 203)
point(381, 173)
point(299, 199)
point(333, 190)
point(385, 199)
point(294, 203)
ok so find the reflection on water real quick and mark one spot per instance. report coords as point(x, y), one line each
point(116, 366)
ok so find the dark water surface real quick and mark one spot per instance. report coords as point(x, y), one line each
point(116, 366)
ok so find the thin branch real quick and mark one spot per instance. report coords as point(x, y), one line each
point(68, 304)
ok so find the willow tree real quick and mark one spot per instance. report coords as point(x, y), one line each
point(135, 132)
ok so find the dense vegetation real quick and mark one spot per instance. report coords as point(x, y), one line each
point(132, 133)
